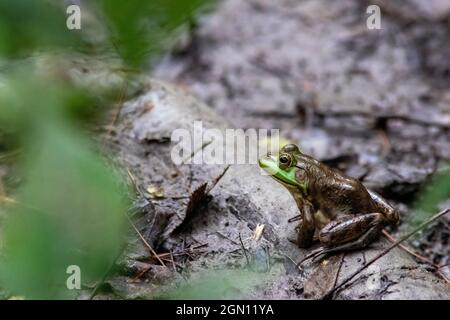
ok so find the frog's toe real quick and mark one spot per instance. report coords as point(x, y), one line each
point(319, 256)
point(313, 255)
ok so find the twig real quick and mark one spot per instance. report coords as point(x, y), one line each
point(387, 250)
point(146, 243)
point(164, 255)
point(103, 279)
point(293, 219)
point(341, 262)
point(199, 246)
point(292, 260)
point(176, 254)
point(443, 276)
point(225, 237)
point(421, 258)
point(244, 249)
point(409, 250)
point(135, 184)
point(217, 180)
point(173, 262)
point(193, 153)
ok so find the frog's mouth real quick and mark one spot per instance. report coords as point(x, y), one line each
point(285, 177)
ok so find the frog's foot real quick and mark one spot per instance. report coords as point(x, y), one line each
point(312, 255)
point(294, 241)
point(297, 228)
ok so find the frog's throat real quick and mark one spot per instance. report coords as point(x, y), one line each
point(303, 186)
point(285, 177)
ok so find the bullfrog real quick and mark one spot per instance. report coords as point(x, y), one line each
point(337, 210)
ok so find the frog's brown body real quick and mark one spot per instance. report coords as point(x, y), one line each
point(337, 210)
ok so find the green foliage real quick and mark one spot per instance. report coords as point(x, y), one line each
point(437, 191)
point(70, 207)
point(140, 28)
point(29, 101)
point(29, 25)
point(70, 210)
point(219, 284)
point(137, 29)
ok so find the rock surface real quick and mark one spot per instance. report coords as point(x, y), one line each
point(373, 103)
point(221, 219)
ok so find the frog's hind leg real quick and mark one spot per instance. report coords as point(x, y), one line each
point(359, 243)
point(351, 229)
point(390, 213)
point(348, 234)
point(362, 242)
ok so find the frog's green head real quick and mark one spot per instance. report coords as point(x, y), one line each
point(283, 167)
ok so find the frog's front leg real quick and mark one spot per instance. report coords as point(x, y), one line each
point(306, 227)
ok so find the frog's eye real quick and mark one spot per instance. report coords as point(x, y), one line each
point(285, 160)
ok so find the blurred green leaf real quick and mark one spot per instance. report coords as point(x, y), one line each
point(437, 191)
point(71, 208)
point(29, 100)
point(140, 28)
point(137, 28)
point(33, 24)
point(218, 284)
point(71, 205)
point(432, 195)
point(70, 212)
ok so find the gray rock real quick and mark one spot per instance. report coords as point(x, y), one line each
point(224, 221)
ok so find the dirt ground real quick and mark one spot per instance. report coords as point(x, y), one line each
point(374, 103)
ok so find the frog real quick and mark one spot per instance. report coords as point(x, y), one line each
point(336, 210)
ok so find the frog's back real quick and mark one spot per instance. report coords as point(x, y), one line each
point(334, 194)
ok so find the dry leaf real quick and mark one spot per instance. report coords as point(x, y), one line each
point(258, 232)
point(155, 192)
point(324, 278)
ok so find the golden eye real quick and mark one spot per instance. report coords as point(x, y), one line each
point(285, 160)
